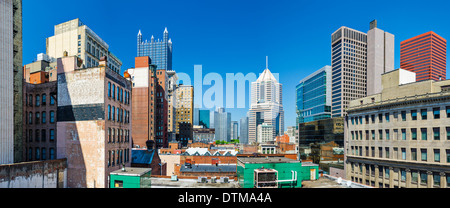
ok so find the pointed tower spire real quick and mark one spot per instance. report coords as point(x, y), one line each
point(267, 62)
point(139, 33)
point(165, 31)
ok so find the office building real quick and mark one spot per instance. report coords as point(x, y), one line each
point(380, 56)
point(160, 51)
point(171, 104)
point(184, 114)
point(203, 118)
point(144, 80)
point(10, 87)
point(314, 96)
point(234, 130)
point(222, 125)
point(399, 138)
point(77, 39)
point(243, 130)
point(349, 68)
point(321, 131)
point(266, 105)
point(426, 55)
point(94, 126)
point(162, 85)
point(265, 133)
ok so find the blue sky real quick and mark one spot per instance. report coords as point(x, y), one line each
point(235, 36)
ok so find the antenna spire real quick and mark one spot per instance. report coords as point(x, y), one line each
point(267, 62)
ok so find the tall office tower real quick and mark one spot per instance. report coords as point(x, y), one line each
point(7, 81)
point(266, 105)
point(243, 130)
point(203, 118)
point(314, 96)
point(426, 55)
point(349, 68)
point(18, 76)
point(265, 133)
point(144, 80)
point(185, 114)
point(234, 130)
point(171, 104)
point(93, 122)
point(160, 51)
point(222, 125)
point(196, 115)
point(77, 39)
point(380, 57)
point(40, 108)
point(162, 108)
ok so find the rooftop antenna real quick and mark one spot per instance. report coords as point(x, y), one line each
point(267, 62)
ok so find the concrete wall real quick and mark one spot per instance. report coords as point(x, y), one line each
point(42, 174)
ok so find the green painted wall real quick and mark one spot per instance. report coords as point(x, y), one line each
point(128, 181)
point(246, 174)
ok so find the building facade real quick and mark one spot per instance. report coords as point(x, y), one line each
point(380, 56)
point(184, 114)
point(94, 126)
point(321, 131)
point(234, 130)
point(399, 138)
point(265, 133)
point(222, 125)
point(349, 68)
point(266, 105)
point(426, 55)
point(314, 96)
point(77, 39)
point(162, 108)
point(243, 130)
point(160, 51)
point(203, 118)
point(171, 104)
point(143, 100)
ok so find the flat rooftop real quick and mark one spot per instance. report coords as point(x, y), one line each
point(266, 160)
point(208, 168)
point(129, 171)
point(191, 183)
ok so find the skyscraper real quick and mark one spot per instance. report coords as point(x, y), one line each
point(380, 57)
point(266, 105)
point(77, 39)
point(160, 51)
point(222, 125)
point(314, 96)
point(426, 55)
point(234, 130)
point(243, 130)
point(184, 114)
point(203, 119)
point(349, 68)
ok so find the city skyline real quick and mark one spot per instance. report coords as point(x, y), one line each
point(194, 34)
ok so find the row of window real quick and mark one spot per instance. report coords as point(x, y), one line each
point(118, 114)
point(39, 101)
point(413, 153)
point(40, 154)
point(122, 135)
point(123, 95)
point(384, 172)
point(40, 135)
point(412, 134)
point(413, 115)
point(118, 157)
point(40, 117)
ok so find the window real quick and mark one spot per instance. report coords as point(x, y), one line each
point(52, 117)
point(30, 100)
point(436, 134)
point(52, 99)
point(414, 115)
point(403, 153)
point(423, 153)
point(52, 135)
point(109, 89)
point(44, 117)
point(448, 156)
point(413, 134)
point(113, 91)
point(423, 177)
point(436, 113)
point(437, 155)
point(424, 133)
point(38, 102)
point(414, 154)
point(380, 118)
point(386, 172)
point(37, 154)
point(373, 134)
point(403, 174)
point(109, 112)
point(387, 152)
point(386, 117)
point(44, 154)
point(414, 176)
point(118, 184)
point(43, 135)
point(423, 113)
point(373, 151)
point(44, 99)
point(52, 154)
point(436, 179)
point(448, 132)
point(380, 152)
point(387, 134)
point(38, 118)
point(403, 115)
point(447, 109)
point(372, 117)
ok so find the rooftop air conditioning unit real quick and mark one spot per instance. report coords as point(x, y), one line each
point(225, 179)
point(213, 179)
point(201, 179)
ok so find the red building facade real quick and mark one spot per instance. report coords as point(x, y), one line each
point(426, 55)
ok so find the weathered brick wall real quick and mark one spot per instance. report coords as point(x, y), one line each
point(40, 174)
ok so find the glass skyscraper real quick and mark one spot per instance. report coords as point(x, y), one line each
point(203, 118)
point(314, 96)
point(160, 51)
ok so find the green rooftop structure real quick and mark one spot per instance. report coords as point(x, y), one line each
point(131, 178)
point(289, 173)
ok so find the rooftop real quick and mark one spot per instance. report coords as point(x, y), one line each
point(266, 160)
point(129, 171)
point(209, 168)
point(191, 183)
